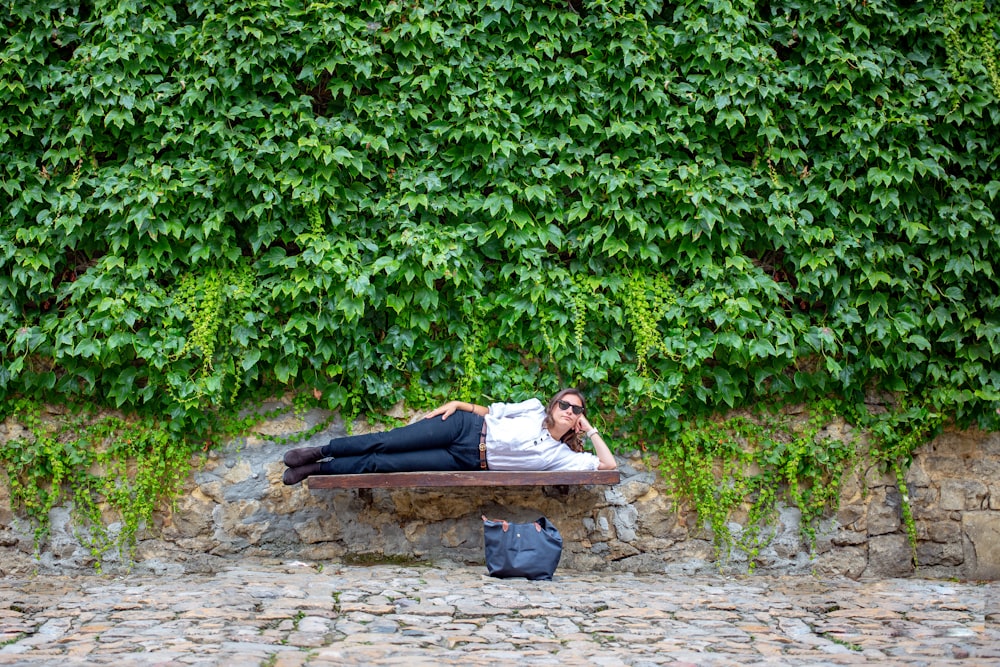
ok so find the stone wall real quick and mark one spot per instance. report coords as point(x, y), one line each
point(235, 506)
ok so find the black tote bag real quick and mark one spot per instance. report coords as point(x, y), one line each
point(529, 550)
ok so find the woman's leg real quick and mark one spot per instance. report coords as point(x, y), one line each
point(430, 444)
point(422, 435)
point(416, 461)
point(418, 436)
point(459, 456)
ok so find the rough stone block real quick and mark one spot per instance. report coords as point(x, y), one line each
point(620, 550)
point(190, 516)
point(851, 490)
point(942, 532)
point(323, 551)
point(853, 517)
point(952, 495)
point(636, 487)
point(983, 532)
point(923, 498)
point(787, 543)
point(613, 496)
point(977, 495)
point(6, 515)
point(247, 524)
point(848, 537)
point(989, 443)
point(889, 556)
point(954, 444)
point(662, 526)
point(930, 514)
point(983, 467)
point(605, 520)
point(280, 426)
point(931, 554)
point(213, 488)
point(961, 494)
point(884, 511)
point(947, 465)
point(916, 476)
point(318, 529)
point(847, 561)
point(625, 520)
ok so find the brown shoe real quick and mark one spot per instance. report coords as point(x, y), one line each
point(295, 475)
point(299, 457)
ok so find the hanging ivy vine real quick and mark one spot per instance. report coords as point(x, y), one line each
point(101, 466)
point(745, 465)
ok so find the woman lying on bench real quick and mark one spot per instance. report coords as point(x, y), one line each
point(462, 436)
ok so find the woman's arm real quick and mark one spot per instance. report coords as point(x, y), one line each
point(603, 452)
point(601, 448)
point(451, 407)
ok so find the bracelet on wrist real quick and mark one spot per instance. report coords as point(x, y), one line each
point(591, 433)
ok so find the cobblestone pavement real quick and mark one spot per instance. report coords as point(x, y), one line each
point(291, 614)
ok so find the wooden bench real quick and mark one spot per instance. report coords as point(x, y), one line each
point(401, 480)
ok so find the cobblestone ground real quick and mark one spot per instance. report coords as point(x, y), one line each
point(292, 614)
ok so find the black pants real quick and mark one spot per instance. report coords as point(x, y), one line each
point(428, 444)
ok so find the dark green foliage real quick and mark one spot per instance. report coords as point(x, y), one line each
point(684, 207)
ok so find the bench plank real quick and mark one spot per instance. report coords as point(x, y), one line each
point(399, 480)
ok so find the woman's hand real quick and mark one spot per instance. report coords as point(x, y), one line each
point(604, 455)
point(445, 411)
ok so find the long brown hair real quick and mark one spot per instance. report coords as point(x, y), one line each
point(571, 437)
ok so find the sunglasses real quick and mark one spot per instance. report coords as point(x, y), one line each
point(577, 409)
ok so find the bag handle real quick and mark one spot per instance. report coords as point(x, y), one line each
point(506, 525)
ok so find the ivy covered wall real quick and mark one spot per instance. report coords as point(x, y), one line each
point(684, 207)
